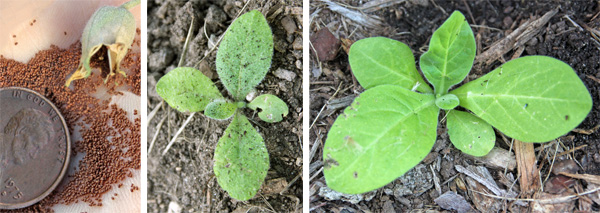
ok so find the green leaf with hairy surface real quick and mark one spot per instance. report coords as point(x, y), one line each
point(187, 89)
point(220, 109)
point(447, 101)
point(384, 133)
point(469, 133)
point(245, 53)
point(450, 55)
point(379, 61)
point(532, 99)
point(241, 160)
point(273, 108)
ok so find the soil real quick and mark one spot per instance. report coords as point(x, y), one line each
point(413, 22)
point(183, 177)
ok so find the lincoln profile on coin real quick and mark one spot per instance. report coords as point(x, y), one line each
point(25, 134)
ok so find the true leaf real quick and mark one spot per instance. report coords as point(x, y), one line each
point(187, 89)
point(241, 160)
point(220, 109)
point(379, 61)
point(245, 53)
point(384, 133)
point(273, 108)
point(447, 101)
point(469, 133)
point(532, 99)
point(450, 55)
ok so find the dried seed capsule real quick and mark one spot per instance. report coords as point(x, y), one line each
point(112, 27)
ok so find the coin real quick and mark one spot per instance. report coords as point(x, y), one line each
point(34, 147)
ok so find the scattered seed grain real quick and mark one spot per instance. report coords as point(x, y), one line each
point(106, 162)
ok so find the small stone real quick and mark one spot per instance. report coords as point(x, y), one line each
point(316, 72)
point(274, 186)
point(452, 201)
point(297, 45)
point(532, 42)
point(282, 86)
point(567, 166)
point(174, 207)
point(158, 61)
point(206, 70)
point(507, 21)
point(285, 74)
point(326, 45)
point(289, 25)
point(251, 95)
point(215, 15)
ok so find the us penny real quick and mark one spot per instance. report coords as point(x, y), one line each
point(34, 147)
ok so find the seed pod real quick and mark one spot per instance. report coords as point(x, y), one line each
point(112, 27)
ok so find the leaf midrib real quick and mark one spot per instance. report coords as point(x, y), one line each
point(444, 71)
point(507, 96)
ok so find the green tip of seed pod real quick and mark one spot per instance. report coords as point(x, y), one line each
point(110, 27)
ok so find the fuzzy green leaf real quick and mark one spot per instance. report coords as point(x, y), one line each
point(447, 101)
point(379, 61)
point(245, 53)
point(273, 108)
point(384, 133)
point(450, 55)
point(220, 109)
point(187, 89)
point(532, 99)
point(469, 133)
point(241, 159)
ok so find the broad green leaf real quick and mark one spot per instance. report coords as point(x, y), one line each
point(241, 159)
point(451, 53)
point(532, 99)
point(384, 133)
point(187, 89)
point(379, 61)
point(273, 108)
point(469, 133)
point(220, 109)
point(245, 53)
point(447, 101)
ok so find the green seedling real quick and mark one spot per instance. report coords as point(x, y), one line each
point(244, 57)
point(109, 27)
point(392, 126)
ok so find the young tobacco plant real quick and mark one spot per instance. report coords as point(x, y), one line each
point(241, 160)
point(392, 126)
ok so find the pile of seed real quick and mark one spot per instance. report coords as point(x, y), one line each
point(106, 162)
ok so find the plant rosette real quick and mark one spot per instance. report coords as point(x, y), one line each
point(392, 126)
point(241, 160)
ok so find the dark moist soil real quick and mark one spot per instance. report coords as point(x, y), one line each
point(184, 176)
point(413, 23)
